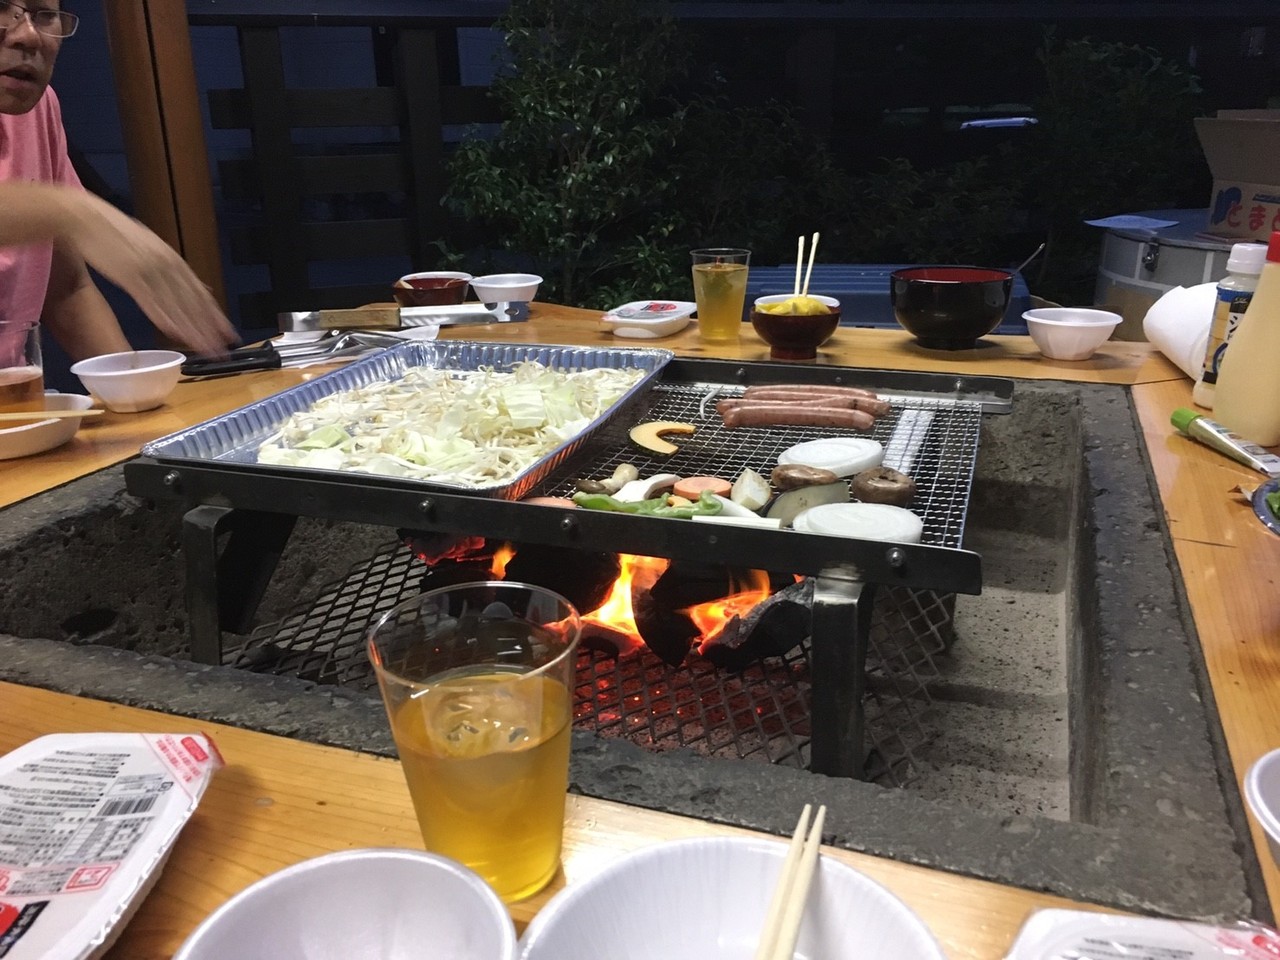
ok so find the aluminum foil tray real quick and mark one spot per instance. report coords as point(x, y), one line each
point(233, 439)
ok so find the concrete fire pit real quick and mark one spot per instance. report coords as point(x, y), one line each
point(1076, 746)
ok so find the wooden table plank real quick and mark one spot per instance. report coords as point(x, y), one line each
point(115, 437)
point(279, 801)
point(1230, 566)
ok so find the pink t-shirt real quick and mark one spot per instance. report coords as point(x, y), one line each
point(33, 147)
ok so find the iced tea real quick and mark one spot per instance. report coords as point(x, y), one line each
point(720, 289)
point(21, 388)
point(21, 373)
point(487, 760)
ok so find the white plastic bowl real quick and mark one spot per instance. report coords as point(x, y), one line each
point(37, 436)
point(506, 287)
point(384, 903)
point(133, 381)
point(1262, 793)
point(1070, 333)
point(706, 898)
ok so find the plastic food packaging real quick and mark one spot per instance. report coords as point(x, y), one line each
point(1080, 935)
point(649, 319)
point(86, 824)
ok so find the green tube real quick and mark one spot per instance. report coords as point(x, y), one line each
point(1215, 435)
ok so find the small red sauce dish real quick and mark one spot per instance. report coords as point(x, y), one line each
point(431, 289)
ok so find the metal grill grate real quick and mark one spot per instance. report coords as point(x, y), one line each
point(933, 440)
point(760, 713)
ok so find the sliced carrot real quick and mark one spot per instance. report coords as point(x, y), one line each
point(690, 487)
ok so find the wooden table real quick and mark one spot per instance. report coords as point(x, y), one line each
point(281, 801)
point(114, 437)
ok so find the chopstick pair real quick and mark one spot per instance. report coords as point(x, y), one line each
point(786, 908)
point(813, 250)
point(8, 416)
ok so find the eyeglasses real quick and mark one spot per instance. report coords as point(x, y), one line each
point(52, 23)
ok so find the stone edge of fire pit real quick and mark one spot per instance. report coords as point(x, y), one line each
point(1149, 851)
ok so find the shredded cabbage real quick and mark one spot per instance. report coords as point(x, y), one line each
point(471, 428)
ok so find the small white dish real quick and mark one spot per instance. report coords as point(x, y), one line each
point(506, 287)
point(132, 381)
point(26, 439)
point(707, 898)
point(1070, 333)
point(386, 903)
point(1262, 793)
point(649, 319)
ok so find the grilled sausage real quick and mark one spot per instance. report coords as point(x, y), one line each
point(877, 408)
point(764, 414)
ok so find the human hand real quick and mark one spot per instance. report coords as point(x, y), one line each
point(162, 284)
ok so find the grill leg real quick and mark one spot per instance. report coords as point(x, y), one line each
point(838, 652)
point(222, 592)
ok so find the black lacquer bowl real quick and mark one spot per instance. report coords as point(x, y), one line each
point(949, 308)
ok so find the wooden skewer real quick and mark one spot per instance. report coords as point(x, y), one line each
point(786, 908)
point(799, 260)
point(813, 249)
point(48, 414)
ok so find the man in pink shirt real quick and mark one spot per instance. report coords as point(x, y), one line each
point(51, 228)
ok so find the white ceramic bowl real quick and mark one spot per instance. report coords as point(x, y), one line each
point(1262, 793)
point(706, 898)
point(133, 381)
point(37, 436)
point(1070, 333)
point(506, 287)
point(384, 903)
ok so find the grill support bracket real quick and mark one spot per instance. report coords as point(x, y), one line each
point(841, 627)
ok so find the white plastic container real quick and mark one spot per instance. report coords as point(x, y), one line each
point(87, 821)
point(382, 902)
point(1234, 293)
point(1247, 397)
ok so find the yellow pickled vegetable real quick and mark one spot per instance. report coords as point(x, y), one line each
point(796, 306)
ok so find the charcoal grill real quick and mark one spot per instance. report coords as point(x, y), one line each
point(239, 517)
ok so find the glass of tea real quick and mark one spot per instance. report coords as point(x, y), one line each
point(720, 289)
point(21, 370)
point(477, 680)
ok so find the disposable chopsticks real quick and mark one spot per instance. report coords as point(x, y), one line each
point(786, 908)
point(803, 291)
point(9, 416)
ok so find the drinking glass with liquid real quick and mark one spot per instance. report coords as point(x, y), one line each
point(21, 369)
point(720, 290)
point(477, 680)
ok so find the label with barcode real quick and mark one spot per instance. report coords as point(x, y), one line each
point(72, 807)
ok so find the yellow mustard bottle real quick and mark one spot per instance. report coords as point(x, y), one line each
point(1247, 398)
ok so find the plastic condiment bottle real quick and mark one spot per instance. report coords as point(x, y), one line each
point(1247, 396)
point(1235, 291)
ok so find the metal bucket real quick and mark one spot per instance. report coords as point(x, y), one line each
point(1138, 266)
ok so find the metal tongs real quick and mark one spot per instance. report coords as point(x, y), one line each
point(271, 356)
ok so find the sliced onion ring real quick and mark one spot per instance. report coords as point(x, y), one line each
point(865, 521)
point(843, 456)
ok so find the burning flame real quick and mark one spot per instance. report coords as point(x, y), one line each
point(711, 618)
point(615, 614)
point(501, 557)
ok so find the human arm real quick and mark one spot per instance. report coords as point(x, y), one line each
point(76, 313)
point(85, 229)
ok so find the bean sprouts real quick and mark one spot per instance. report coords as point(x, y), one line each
point(470, 428)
